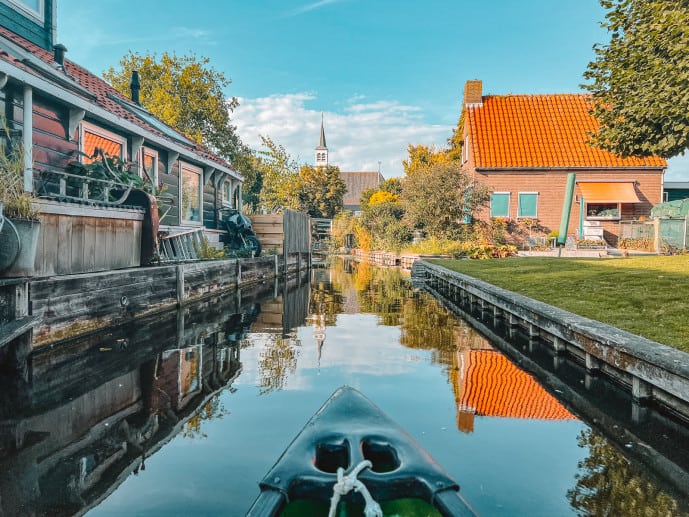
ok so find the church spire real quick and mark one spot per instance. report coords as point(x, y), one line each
point(322, 148)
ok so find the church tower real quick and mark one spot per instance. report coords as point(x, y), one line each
point(322, 149)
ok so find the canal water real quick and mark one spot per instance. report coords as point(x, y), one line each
point(184, 413)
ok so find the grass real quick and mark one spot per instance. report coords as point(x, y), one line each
point(648, 296)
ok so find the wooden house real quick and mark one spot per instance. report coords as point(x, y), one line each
point(62, 113)
point(523, 147)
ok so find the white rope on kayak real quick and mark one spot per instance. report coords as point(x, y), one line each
point(346, 484)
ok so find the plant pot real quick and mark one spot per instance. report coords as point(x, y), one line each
point(18, 247)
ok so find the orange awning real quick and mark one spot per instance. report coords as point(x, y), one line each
point(609, 192)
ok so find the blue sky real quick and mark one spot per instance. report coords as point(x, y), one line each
point(385, 73)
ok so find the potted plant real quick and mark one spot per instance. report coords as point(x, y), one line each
point(20, 231)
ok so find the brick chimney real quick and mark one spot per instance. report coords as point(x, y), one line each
point(473, 93)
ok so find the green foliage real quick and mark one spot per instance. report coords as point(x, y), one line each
point(437, 198)
point(344, 222)
point(462, 249)
point(320, 190)
point(392, 185)
point(186, 93)
point(17, 203)
point(207, 252)
point(639, 79)
point(384, 221)
point(279, 177)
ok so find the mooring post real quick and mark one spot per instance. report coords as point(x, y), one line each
point(641, 390)
point(180, 284)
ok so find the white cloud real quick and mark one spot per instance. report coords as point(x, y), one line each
point(363, 134)
point(313, 6)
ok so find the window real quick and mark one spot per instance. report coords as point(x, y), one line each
point(528, 205)
point(33, 8)
point(465, 150)
point(602, 210)
point(93, 138)
point(190, 185)
point(227, 192)
point(148, 168)
point(500, 204)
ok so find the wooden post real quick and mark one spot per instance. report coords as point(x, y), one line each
point(180, 284)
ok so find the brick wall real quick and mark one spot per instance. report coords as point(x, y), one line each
point(550, 186)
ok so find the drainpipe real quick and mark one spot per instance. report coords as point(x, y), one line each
point(566, 209)
point(28, 138)
point(239, 197)
point(582, 205)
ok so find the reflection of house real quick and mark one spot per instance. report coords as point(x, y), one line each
point(64, 113)
point(523, 147)
point(486, 383)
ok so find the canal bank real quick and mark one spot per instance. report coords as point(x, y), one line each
point(655, 374)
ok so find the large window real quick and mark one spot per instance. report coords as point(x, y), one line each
point(500, 204)
point(602, 210)
point(95, 138)
point(190, 195)
point(528, 205)
point(227, 192)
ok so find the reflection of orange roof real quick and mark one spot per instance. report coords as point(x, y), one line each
point(492, 386)
point(537, 131)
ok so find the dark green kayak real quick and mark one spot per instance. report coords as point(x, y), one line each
point(378, 464)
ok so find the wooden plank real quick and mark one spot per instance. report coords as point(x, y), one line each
point(64, 247)
point(89, 252)
point(77, 245)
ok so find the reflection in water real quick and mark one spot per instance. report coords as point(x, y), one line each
point(97, 407)
point(607, 484)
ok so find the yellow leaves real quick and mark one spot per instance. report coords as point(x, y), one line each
point(382, 197)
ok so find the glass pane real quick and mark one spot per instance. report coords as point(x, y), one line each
point(93, 141)
point(191, 200)
point(149, 165)
point(527, 205)
point(499, 205)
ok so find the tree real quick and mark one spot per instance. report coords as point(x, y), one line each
point(279, 177)
point(421, 156)
point(320, 190)
point(186, 93)
point(392, 186)
point(639, 79)
point(439, 197)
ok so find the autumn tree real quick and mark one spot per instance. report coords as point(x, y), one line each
point(639, 79)
point(439, 197)
point(422, 156)
point(320, 190)
point(187, 93)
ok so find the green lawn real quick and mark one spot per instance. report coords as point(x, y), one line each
point(648, 296)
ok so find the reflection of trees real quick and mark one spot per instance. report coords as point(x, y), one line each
point(326, 301)
point(277, 361)
point(211, 410)
point(607, 484)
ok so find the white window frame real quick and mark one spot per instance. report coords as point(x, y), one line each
point(184, 166)
point(465, 150)
point(104, 133)
point(509, 201)
point(519, 201)
point(25, 9)
point(147, 151)
point(227, 192)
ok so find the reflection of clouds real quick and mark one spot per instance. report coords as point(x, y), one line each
point(356, 346)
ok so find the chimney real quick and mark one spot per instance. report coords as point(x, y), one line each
point(59, 51)
point(135, 86)
point(473, 93)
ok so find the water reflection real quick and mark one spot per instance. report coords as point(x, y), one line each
point(94, 409)
point(184, 413)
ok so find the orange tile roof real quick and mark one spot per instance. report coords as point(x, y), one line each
point(102, 92)
point(540, 131)
point(490, 385)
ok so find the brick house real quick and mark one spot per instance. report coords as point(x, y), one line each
point(523, 147)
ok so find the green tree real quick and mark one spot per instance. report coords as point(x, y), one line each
point(438, 197)
point(320, 190)
point(392, 185)
point(186, 93)
point(279, 177)
point(639, 79)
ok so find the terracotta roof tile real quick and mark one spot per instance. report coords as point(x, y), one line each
point(492, 386)
point(100, 89)
point(540, 131)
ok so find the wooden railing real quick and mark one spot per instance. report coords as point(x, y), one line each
point(77, 188)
